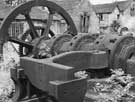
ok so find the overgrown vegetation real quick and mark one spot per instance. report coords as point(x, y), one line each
point(115, 26)
point(117, 88)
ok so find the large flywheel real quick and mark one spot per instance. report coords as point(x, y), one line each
point(24, 10)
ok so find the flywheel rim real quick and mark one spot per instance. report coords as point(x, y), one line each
point(114, 50)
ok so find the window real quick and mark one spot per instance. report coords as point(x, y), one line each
point(118, 16)
point(16, 29)
point(100, 17)
point(132, 10)
point(84, 22)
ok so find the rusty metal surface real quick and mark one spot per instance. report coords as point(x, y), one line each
point(106, 41)
point(62, 67)
point(55, 45)
point(127, 53)
point(81, 60)
point(58, 42)
point(81, 42)
point(120, 45)
point(69, 91)
point(117, 47)
point(63, 91)
point(131, 67)
point(40, 73)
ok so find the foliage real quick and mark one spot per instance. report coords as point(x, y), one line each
point(116, 88)
point(115, 26)
point(14, 2)
point(81, 74)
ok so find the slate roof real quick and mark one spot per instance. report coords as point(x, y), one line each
point(104, 8)
point(109, 7)
point(122, 5)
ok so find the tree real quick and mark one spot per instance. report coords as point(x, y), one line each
point(14, 2)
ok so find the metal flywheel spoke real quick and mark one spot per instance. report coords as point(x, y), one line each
point(34, 33)
point(20, 42)
point(49, 23)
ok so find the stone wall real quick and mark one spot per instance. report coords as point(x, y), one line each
point(85, 6)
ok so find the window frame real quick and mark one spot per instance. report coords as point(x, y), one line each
point(84, 22)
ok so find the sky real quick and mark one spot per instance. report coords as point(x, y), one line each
point(103, 1)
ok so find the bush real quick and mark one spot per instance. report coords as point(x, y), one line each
point(115, 26)
point(116, 88)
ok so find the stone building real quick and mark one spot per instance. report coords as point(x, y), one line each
point(82, 14)
point(127, 7)
point(107, 13)
point(127, 11)
point(85, 18)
